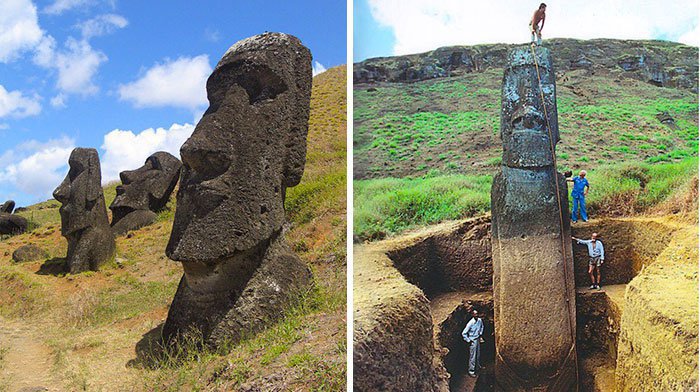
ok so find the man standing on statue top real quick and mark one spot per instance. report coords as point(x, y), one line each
point(535, 28)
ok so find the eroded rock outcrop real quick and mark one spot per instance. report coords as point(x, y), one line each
point(84, 220)
point(664, 64)
point(144, 192)
point(239, 273)
point(9, 222)
point(533, 284)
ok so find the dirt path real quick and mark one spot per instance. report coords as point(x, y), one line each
point(26, 363)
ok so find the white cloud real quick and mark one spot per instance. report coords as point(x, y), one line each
point(179, 83)
point(19, 28)
point(60, 6)
point(125, 150)
point(101, 25)
point(76, 63)
point(36, 168)
point(318, 68)
point(59, 101)
point(422, 25)
point(15, 104)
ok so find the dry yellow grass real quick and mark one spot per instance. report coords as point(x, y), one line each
point(97, 326)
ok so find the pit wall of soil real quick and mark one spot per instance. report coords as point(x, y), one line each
point(450, 260)
point(393, 329)
point(658, 345)
point(652, 339)
point(629, 246)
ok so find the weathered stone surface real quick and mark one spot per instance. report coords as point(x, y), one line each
point(29, 252)
point(144, 192)
point(533, 282)
point(10, 223)
point(84, 220)
point(227, 232)
point(8, 206)
point(659, 63)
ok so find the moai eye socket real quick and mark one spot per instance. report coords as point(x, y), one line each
point(258, 80)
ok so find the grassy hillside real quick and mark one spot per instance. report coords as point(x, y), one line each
point(98, 331)
point(426, 151)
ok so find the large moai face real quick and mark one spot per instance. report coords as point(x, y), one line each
point(148, 187)
point(80, 193)
point(525, 120)
point(247, 149)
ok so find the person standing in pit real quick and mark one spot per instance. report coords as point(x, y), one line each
point(472, 335)
point(596, 257)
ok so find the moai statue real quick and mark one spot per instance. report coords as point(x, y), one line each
point(7, 207)
point(533, 284)
point(250, 145)
point(9, 222)
point(84, 220)
point(144, 192)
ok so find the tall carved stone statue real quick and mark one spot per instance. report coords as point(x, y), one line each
point(248, 148)
point(533, 283)
point(84, 220)
point(144, 192)
point(11, 223)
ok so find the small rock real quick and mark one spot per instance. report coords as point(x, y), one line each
point(29, 252)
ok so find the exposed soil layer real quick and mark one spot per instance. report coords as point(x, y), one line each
point(454, 260)
point(437, 275)
point(393, 329)
point(629, 245)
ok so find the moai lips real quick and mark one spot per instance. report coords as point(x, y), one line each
point(534, 307)
point(249, 146)
point(84, 220)
point(144, 192)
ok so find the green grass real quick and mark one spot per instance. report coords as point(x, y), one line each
point(391, 205)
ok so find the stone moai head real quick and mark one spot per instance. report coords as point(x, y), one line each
point(148, 187)
point(80, 193)
point(249, 146)
point(524, 116)
point(8, 206)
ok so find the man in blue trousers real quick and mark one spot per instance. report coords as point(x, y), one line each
point(472, 335)
point(578, 194)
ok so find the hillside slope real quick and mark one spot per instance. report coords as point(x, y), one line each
point(439, 111)
point(99, 331)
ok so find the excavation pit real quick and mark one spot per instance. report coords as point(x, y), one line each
point(449, 268)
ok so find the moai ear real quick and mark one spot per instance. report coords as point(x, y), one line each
point(94, 186)
point(296, 156)
point(296, 139)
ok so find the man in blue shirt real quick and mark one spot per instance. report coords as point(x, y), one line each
point(578, 194)
point(472, 335)
point(596, 257)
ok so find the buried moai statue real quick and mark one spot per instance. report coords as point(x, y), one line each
point(250, 145)
point(533, 285)
point(144, 192)
point(84, 220)
point(11, 223)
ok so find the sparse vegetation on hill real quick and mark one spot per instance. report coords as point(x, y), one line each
point(100, 329)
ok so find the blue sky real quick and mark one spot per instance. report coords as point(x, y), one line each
point(125, 77)
point(396, 27)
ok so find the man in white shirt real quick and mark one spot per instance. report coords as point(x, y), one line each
point(472, 335)
point(596, 257)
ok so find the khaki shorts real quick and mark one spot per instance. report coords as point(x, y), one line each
point(595, 261)
point(534, 30)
